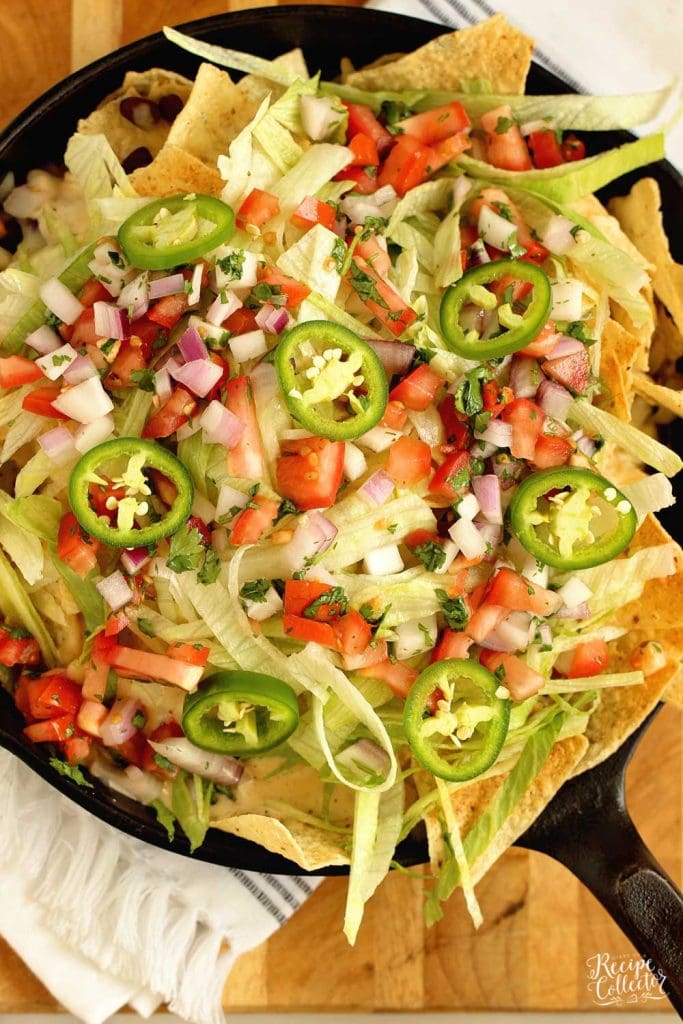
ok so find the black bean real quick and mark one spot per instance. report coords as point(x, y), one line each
point(170, 106)
point(140, 157)
point(143, 113)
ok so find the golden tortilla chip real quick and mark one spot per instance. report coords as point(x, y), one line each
point(493, 50)
point(643, 332)
point(657, 394)
point(309, 847)
point(213, 115)
point(152, 84)
point(674, 691)
point(592, 209)
point(619, 350)
point(640, 215)
point(667, 342)
point(616, 387)
point(256, 88)
point(174, 171)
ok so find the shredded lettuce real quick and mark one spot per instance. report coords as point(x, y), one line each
point(403, 274)
point(34, 473)
point(331, 311)
point(131, 416)
point(317, 166)
point(362, 530)
point(191, 805)
point(603, 682)
point(640, 445)
point(25, 428)
point(11, 404)
point(448, 264)
point(274, 130)
point(309, 261)
point(431, 195)
point(376, 827)
point(614, 271)
point(23, 547)
point(572, 180)
point(16, 607)
point(236, 168)
point(18, 291)
point(616, 583)
point(650, 494)
point(410, 238)
point(235, 59)
point(453, 838)
point(97, 169)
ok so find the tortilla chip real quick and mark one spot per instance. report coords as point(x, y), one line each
point(256, 88)
point(616, 387)
point(309, 847)
point(640, 215)
point(213, 115)
point(657, 394)
point(174, 171)
point(674, 691)
point(124, 136)
point(667, 341)
point(493, 50)
point(592, 209)
point(619, 350)
point(470, 803)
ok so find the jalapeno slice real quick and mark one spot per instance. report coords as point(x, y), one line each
point(172, 231)
point(240, 713)
point(463, 736)
point(571, 518)
point(520, 328)
point(331, 380)
point(124, 518)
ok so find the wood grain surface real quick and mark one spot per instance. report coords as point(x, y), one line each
point(540, 924)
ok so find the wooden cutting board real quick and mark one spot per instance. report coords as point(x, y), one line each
point(540, 925)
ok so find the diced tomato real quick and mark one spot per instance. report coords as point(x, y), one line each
point(417, 390)
point(311, 211)
point(443, 153)
point(452, 645)
point(395, 416)
point(418, 537)
point(137, 751)
point(135, 664)
point(406, 165)
point(496, 397)
point(16, 371)
point(364, 151)
point(97, 670)
point(94, 291)
point(99, 497)
point(363, 121)
point(527, 420)
point(390, 310)
point(543, 343)
point(517, 677)
point(505, 146)
point(167, 312)
point(174, 413)
point(130, 360)
point(376, 254)
point(468, 236)
point(299, 594)
point(309, 471)
point(409, 460)
point(167, 731)
point(77, 749)
point(91, 715)
point(40, 402)
point(552, 451)
point(589, 659)
point(398, 676)
point(545, 149)
point(364, 179)
point(294, 291)
point(53, 695)
point(372, 655)
point(496, 199)
point(241, 321)
point(436, 124)
point(21, 696)
point(75, 548)
point(257, 209)
point(83, 332)
point(573, 148)
point(456, 424)
point(309, 630)
point(246, 458)
point(353, 633)
point(18, 649)
point(572, 371)
point(451, 476)
point(510, 590)
point(54, 730)
point(483, 620)
point(191, 654)
point(519, 289)
point(251, 523)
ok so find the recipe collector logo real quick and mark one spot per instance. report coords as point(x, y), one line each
point(618, 980)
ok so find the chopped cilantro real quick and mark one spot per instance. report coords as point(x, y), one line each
point(339, 253)
point(186, 551)
point(468, 395)
point(70, 771)
point(211, 568)
point(334, 596)
point(145, 379)
point(503, 124)
point(577, 329)
point(232, 265)
point(454, 610)
point(365, 287)
point(504, 210)
point(255, 591)
point(163, 763)
point(431, 554)
point(165, 817)
point(138, 720)
point(146, 627)
point(286, 508)
point(514, 247)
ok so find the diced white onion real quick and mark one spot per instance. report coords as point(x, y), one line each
point(86, 402)
point(115, 590)
point(203, 508)
point(195, 285)
point(567, 300)
point(355, 463)
point(55, 363)
point(467, 539)
point(514, 630)
point(415, 636)
point(574, 592)
point(229, 497)
point(262, 610)
point(494, 229)
point(379, 439)
point(248, 274)
point(60, 301)
point(248, 346)
point(468, 507)
point(219, 310)
point(44, 340)
point(383, 561)
point(450, 551)
point(320, 115)
point(89, 435)
point(557, 236)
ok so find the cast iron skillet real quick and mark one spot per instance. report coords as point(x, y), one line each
point(587, 826)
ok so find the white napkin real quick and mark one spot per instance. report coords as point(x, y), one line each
point(104, 920)
point(596, 46)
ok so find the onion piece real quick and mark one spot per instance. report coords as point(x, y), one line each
point(273, 320)
point(55, 363)
point(110, 321)
point(229, 498)
point(567, 300)
point(478, 253)
point(85, 402)
point(195, 292)
point(134, 297)
point(220, 310)
point(355, 463)
point(582, 611)
point(135, 559)
point(320, 115)
point(395, 356)
point(557, 237)
point(586, 446)
point(220, 425)
point(247, 270)
point(79, 370)
point(198, 376)
point(487, 491)
point(89, 435)
point(383, 561)
point(497, 432)
point(467, 539)
point(60, 301)
point(494, 229)
point(44, 340)
point(525, 377)
point(162, 384)
point(492, 535)
point(555, 400)
point(191, 346)
point(58, 445)
point(566, 346)
point(247, 346)
point(226, 771)
point(507, 469)
point(172, 284)
point(574, 592)
point(377, 488)
point(365, 757)
point(118, 725)
point(115, 590)
point(313, 535)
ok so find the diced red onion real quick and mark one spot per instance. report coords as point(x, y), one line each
point(545, 634)
point(199, 376)
point(58, 444)
point(324, 530)
point(555, 400)
point(135, 298)
point(195, 291)
point(115, 590)
point(493, 641)
point(118, 725)
point(273, 320)
point(395, 356)
point(60, 301)
point(191, 346)
point(187, 430)
point(525, 377)
point(497, 432)
point(365, 756)
point(479, 253)
point(247, 346)
point(170, 285)
point(566, 346)
point(461, 189)
point(55, 363)
point(219, 311)
point(84, 402)
point(487, 492)
point(313, 535)
point(586, 446)
point(80, 369)
point(220, 425)
point(110, 321)
point(44, 340)
point(507, 470)
point(582, 611)
point(89, 435)
point(225, 771)
point(134, 559)
point(377, 488)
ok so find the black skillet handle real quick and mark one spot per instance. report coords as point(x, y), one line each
point(617, 867)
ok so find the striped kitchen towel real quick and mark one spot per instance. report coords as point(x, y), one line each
point(104, 920)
